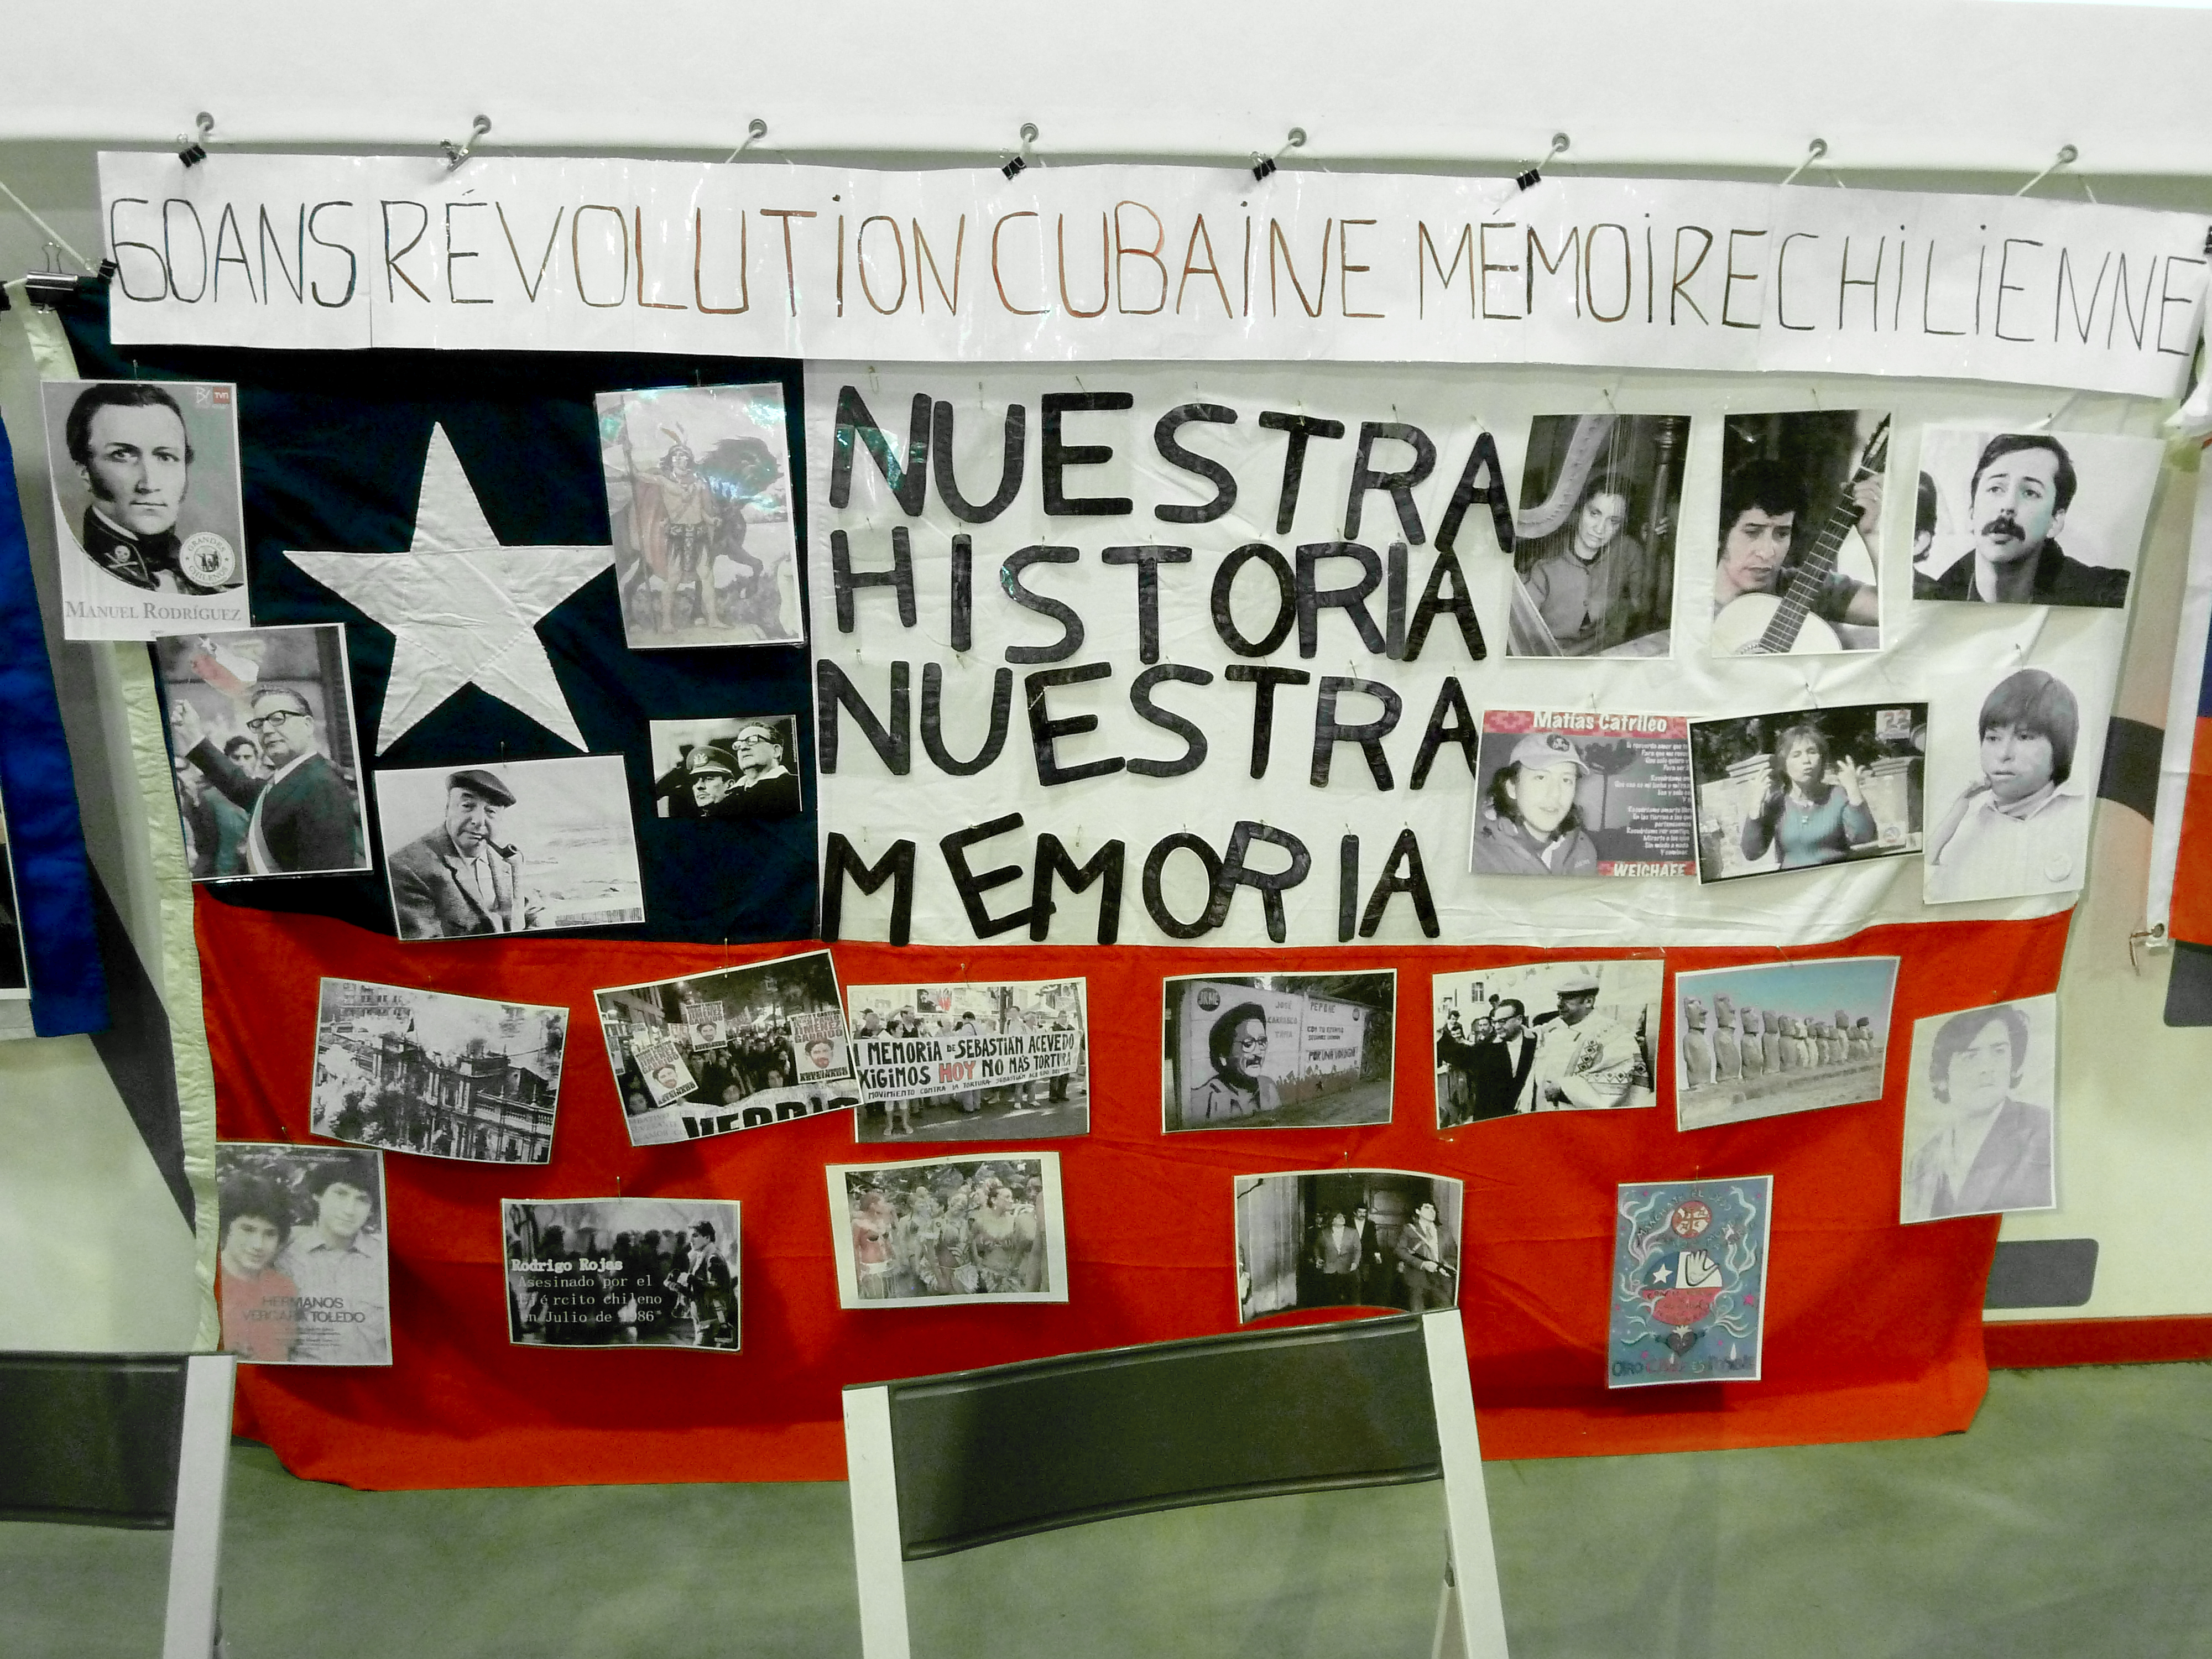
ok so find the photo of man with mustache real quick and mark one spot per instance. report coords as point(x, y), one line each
point(2023, 486)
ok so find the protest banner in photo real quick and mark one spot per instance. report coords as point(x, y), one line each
point(623, 1273)
point(998, 1061)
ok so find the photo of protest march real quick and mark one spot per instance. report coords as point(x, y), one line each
point(1797, 552)
point(1776, 1037)
point(939, 1230)
point(2030, 518)
point(1581, 794)
point(1277, 1051)
point(736, 1049)
point(147, 508)
point(510, 847)
point(1347, 1238)
point(416, 1071)
point(300, 1261)
point(1545, 1036)
point(1595, 537)
point(982, 1060)
point(623, 1273)
point(698, 484)
point(1808, 786)
point(261, 744)
point(738, 768)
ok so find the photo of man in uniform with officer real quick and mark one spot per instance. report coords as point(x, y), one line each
point(744, 767)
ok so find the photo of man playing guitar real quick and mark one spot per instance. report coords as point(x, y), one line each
point(1783, 579)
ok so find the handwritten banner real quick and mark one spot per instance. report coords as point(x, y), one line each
point(1100, 263)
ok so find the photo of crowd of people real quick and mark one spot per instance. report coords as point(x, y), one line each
point(735, 1049)
point(738, 768)
point(262, 748)
point(1545, 1036)
point(1804, 788)
point(2030, 518)
point(1581, 794)
point(1594, 558)
point(1278, 1050)
point(982, 1060)
point(698, 484)
point(1979, 1134)
point(1784, 1037)
point(1347, 1238)
point(623, 1273)
point(1798, 562)
point(300, 1273)
point(937, 1230)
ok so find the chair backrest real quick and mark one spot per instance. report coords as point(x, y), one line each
point(91, 1439)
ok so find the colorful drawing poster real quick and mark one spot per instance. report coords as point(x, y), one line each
point(1689, 1282)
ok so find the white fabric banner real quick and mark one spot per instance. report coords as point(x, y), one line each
point(1106, 626)
point(1091, 263)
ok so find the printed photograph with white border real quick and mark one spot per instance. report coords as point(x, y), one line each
point(997, 1059)
point(1545, 1036)
point(1979, 1117)
point(934, 1231)
point(429, 1073)
point(1775, 1038)
point(732, 1048)
point(1347, 1238)
point(302, 1274)
point(147, 509)
point(623, 1273)
point(1277, 1051)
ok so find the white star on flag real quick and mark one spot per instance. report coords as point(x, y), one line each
point(463, 609)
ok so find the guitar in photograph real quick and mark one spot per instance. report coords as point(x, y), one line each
point(1771, 624)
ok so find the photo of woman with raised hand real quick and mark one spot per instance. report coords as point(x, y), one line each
point(1800, 789)
point(1814, 809)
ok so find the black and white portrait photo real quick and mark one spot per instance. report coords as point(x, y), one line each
point(733, 1048)
point(744, 767)
point(1347, 1238)
point(699, 497)
point(1544, 1036)
point(1808, 787)
point(935, 1231)
point(510, 847)
point(2010, 795)
point(300, 1266)
point(1278, 1051)
point(623, 1273)
point(429, 1072)
point(1797, 551)
point(1979, 1131)
point(1594, 552)
point(2031, 518)
point(147, 507)
point(999, 1060)
point(261, 742)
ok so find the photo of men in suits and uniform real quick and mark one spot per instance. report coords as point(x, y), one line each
point(726, 768)
point(1978, 1128)
point(300, 1264)
point(934, 1231)
point(735, 1049)
point(1784, 1037)
point(1277, 1051)
point(1595, 537)
point(1545, 1036)
point(262, 748)
point(699, 499)
point(147, 508)
point(510, 847)
point(444, 1076)
point(1347, 1238)
point(623, 1273)
point(1005, 1060)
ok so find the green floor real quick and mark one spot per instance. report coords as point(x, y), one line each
point(2075, 1519)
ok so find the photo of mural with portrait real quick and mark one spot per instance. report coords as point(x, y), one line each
point(1545, 1036)
point(1002, 1059)
point(300, 1266)
point(262, 746)
point(1808, 787)
point(1277, 1051)
point(744, 767)
point(1776, 1037)
point(1595, 537)
point(623, 1273)
point(148, 518)
point(1568, 793)
point(1797, 550)
point(510, 847)
point(699, 500)
point(1689, 1282)
point(1979, 1128)
point(444, 1076)
point(736, 1049)
point(1347, 1238)
point(933, 1232)
point(2030, 518)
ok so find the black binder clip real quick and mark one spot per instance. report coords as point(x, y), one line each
point(191, 148)
point(1529, 178)
point(1263, 165)
point(1020, 159)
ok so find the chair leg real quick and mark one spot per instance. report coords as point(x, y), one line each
point(1447, 1619)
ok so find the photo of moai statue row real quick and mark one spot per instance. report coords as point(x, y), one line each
point(1796, 1036)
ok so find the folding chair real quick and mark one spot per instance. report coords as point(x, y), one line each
point(943, 1464)
point(127, 1440)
